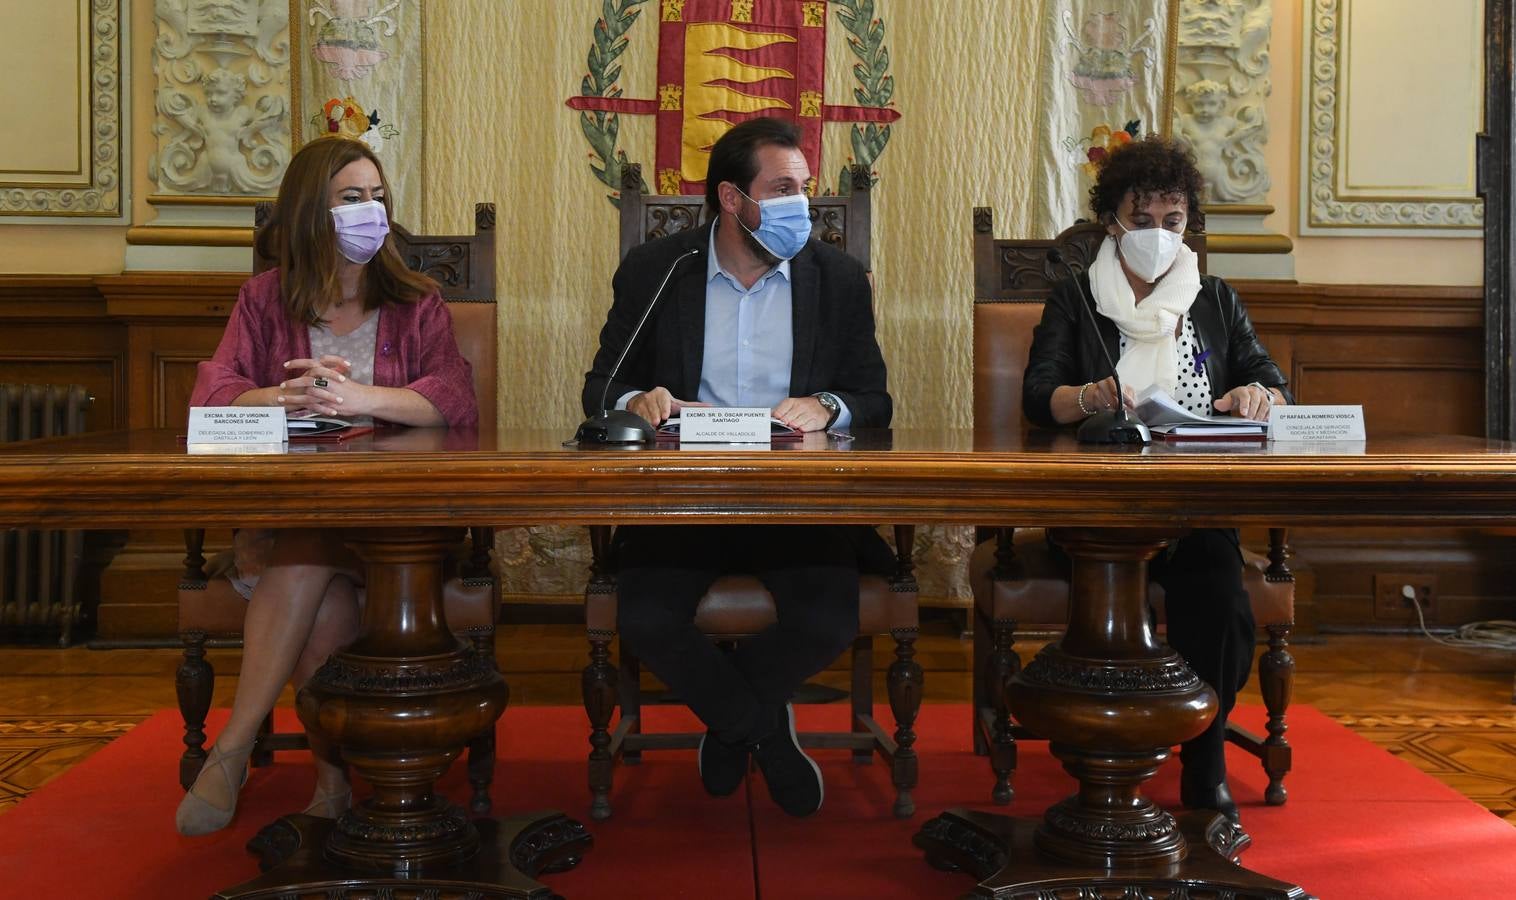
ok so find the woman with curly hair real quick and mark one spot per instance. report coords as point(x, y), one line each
point(1189, 334)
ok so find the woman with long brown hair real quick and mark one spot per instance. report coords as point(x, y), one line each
point(340, 327)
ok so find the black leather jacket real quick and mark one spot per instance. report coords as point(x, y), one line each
point(1064, 349)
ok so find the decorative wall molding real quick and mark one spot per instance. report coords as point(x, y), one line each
point(1223, 79)
point(222, 96)
point(98, 189)
point(1327, 207)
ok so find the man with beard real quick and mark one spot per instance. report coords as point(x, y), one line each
point(760, 315)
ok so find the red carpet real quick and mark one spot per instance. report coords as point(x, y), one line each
point(1359, 823)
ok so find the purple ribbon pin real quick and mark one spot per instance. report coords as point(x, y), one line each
point(1199, 360)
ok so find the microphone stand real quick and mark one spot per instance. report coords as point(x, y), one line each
point(1111, 426)
point(622, 426)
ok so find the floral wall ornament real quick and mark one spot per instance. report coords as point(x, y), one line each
point(1104, 59)
point(222, 118)
point(347, 119)
point(349, 40)
point(1102, 140)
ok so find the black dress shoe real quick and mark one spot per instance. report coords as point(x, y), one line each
point(793, 778)
point(1218, 797)
point(722, 765)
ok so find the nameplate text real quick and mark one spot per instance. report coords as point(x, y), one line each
point(1316, 423)
point(724, 425)
point(236, 426)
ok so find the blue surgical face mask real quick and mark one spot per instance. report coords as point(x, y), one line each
point(784, 224)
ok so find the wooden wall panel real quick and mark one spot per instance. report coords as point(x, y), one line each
point(133, 341)
point(100, 375)
point(54, 331)
point(172, 321)
point(1413, 356)
point(164, 359)
point(1401, 397)
point(175, 381)
point(1473, 572)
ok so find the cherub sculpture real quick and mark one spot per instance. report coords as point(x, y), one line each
point(1228, 149)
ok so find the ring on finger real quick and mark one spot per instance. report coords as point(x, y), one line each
point(320, 382)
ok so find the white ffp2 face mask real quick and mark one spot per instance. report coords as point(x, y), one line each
point(1149, 252)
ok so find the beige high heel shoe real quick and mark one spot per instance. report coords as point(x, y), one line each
point(330, 805)
point(196, 815)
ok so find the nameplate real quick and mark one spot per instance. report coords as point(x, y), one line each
point(227, 428)
point(724, 425)
point(1316, 423)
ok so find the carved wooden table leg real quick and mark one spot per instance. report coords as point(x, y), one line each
point(400, 703)
point(1113, 700)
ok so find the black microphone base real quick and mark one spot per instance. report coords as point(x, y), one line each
point(1111, 427)
point(615, 426)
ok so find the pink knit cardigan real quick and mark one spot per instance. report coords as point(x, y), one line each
point(414, 349)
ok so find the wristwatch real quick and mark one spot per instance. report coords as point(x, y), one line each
point(831, 404)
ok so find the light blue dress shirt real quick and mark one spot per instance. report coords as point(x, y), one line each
point(749, 339)
point(749, 342)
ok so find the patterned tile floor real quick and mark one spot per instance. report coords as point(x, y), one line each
point(1449, 712)
point(35, 749)
point(1473, 751)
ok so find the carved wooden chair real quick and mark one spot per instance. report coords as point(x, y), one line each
point(211, 610)
point(1015, 580)
point(738, 606)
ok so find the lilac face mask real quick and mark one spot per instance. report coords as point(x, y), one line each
point(361, 228)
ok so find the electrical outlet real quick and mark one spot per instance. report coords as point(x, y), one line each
point(1393, 592)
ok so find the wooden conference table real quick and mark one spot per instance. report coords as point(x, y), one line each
point(404, 698)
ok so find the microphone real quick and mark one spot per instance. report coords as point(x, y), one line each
point(1112, 426)
point(621, 426)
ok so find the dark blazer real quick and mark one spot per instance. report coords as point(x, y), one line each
point(1064, 349)
point(832, 314)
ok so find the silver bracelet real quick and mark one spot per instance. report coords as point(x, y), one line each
point(1267, 394)
point(1080, 400)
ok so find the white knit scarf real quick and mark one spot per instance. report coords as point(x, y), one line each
point(1152, 354)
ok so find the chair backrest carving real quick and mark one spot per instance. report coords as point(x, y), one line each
point(842, 221)
point(464, 266)
point(1012, 279)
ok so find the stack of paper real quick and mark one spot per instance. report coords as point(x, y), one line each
point(1163, 415)
point(308, 425)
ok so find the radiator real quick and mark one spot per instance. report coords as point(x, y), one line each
point(39, 570)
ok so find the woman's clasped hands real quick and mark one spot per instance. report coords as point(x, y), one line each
point(322, 387)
